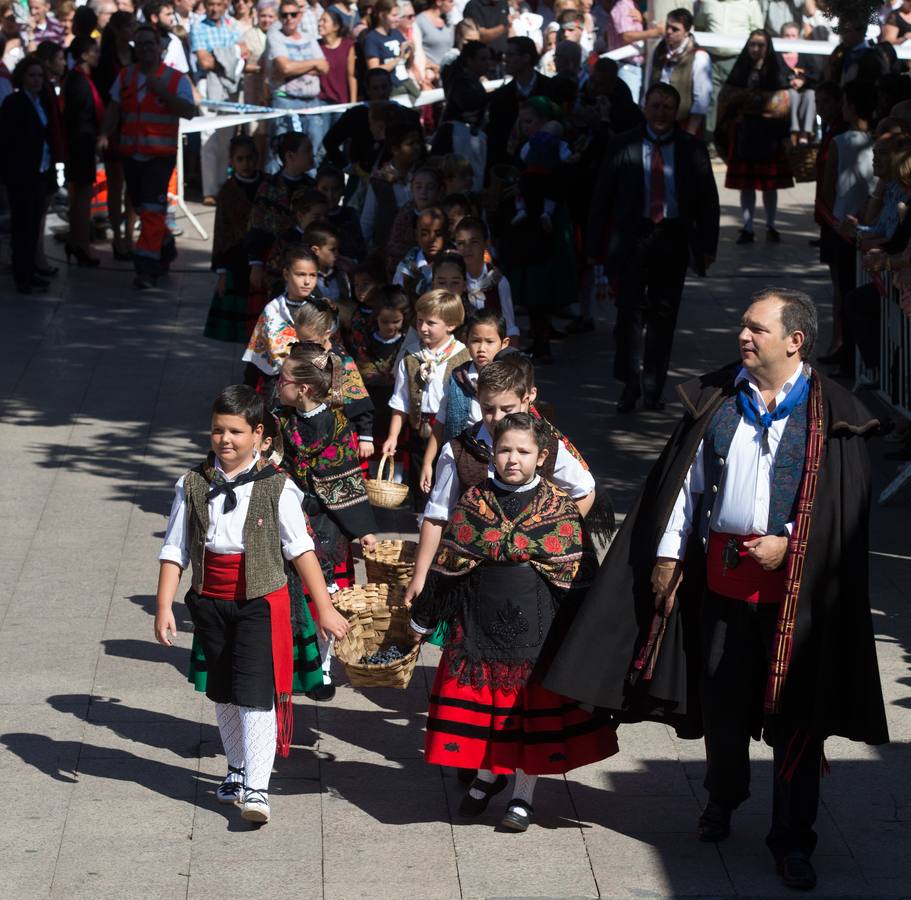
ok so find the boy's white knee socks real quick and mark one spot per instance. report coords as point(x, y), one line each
point(228, 717)
point(259, 732)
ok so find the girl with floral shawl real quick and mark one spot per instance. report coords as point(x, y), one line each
point(513, 563)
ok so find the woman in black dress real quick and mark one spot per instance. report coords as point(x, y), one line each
point(83, 110)
point(27, 167)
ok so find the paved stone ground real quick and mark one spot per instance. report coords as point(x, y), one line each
point(109, 760)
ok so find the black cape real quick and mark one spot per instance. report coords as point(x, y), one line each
point(832, 686)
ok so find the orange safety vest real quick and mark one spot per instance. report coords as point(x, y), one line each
point(146, 126)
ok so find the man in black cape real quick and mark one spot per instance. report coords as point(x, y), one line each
point(734, 601)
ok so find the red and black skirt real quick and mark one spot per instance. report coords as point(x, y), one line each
point(529, 728)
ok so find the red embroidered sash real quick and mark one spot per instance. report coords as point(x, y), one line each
point(748, 581)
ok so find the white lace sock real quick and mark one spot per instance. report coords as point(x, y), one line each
point(228, 717)
point(325, 654)
point(525, 787)
point(484, 775)
point(259, 733)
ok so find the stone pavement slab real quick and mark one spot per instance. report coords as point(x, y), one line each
point(114, 758)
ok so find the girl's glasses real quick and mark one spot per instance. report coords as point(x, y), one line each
point(282, 381)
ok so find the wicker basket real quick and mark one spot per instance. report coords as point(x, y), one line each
point(375, 599)
point(803, 162)
point(375, 629)
point(391, 563)
point(387, 493)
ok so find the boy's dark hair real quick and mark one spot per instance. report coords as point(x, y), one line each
point(319, 233)
point(433, 171)
point(669, 91)
point(374, 267)
point(304, 200)
point(523, 363)
point(294, 252)
point(449, 258)
point(289, 142)
point(473, 224)
point(436, 214)
point(390, 296)
point(521, 421)
point(239, 141)
point(862, 96)
point(524, 46)
point(684, 17)
point(241, 400)
point(329, 171)
point(504, 376)
point(486, 317)
point(399, 129)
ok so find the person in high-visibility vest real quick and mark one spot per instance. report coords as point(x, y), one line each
point(147, 100)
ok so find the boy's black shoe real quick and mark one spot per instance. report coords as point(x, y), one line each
point(714, 823)
point(745, 237)
point(796, 871)
point(143, 282)
point(518, 816)
point(473, 806)
point(322, 694)
point(773, 236)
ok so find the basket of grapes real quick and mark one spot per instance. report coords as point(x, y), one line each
point(379, 653)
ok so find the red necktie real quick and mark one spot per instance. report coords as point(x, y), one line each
point(656, 204)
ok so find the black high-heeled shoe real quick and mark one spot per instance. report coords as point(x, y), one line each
point(82, 257)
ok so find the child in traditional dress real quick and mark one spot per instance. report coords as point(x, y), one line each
point(369, 274)
point(457, 207)
point(308, 206)
point(331, 182)
point(504, 387)
point(274, 332)
point(513, 564)
point(431, 232)
point(376, 359)
point(321, 456)
point(234, 517)
point(426, 192)
point(317, 323)
point(390, 185)
point(272, 215)
point(420, 377)
point(487, 288)
point(333, 284)
point(229, 318)
point(459, 409)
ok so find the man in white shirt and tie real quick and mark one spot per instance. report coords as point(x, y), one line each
point(735, 599)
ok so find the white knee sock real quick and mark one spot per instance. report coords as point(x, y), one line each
point(325, 654)
point(483, 775)
point(228, 718)
point(259, 733)
point(525, 787)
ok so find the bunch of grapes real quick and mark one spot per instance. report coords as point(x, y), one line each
point(391, 654)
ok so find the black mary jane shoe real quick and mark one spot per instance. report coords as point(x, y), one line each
point(714, 823)
point(518, 816)
point(745, 237)
point(467, 776)
point(796, 871)
point(772, 236)
point(323, 693)
point(471, 806)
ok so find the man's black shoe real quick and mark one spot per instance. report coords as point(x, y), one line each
point(714, 823)
point(628, 400)
point(797, 871)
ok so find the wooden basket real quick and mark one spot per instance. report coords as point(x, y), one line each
point(803, 162)
point(386, 493)
point(391, 563)
point(375, 629)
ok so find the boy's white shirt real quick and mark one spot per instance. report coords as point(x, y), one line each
point(226, 530)
point(569, 474)
point(431, 391)
point(474, 412)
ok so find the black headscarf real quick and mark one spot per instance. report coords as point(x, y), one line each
point(772, 74)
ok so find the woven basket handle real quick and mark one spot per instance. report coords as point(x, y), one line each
point(379, 471)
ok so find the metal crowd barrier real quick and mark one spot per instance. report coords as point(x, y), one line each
point(891, 379)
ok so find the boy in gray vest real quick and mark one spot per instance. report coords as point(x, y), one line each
point(234, 520)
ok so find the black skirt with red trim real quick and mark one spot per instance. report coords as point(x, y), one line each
point(771, 175)
point(533, 729)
